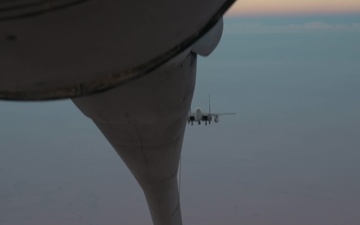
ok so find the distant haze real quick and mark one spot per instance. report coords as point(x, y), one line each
point(287, 7)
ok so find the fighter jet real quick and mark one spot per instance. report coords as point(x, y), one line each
point(206, 117)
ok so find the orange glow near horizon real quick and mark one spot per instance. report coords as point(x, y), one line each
point(292, 7)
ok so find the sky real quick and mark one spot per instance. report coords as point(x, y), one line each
point(289, 156)
point(293, 7)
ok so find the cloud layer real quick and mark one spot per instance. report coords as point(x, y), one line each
point(313, 26)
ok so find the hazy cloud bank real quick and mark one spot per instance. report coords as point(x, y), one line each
point(314, 26)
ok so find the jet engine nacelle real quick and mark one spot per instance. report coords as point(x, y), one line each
point(198, 114)
point(216, 119)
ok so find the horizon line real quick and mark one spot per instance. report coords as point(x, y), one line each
point(230, 14)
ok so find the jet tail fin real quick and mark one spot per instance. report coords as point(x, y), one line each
point(209, 105)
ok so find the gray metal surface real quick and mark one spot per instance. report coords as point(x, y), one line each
point(145, 123)
point(71, 48)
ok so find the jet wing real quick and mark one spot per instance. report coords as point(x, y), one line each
point(221, 114)
point(71, 48)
